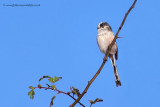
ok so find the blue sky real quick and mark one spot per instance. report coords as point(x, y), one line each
point(58, 38)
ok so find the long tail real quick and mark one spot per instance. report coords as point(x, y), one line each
point(117, 80)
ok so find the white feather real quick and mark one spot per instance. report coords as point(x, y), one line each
point(104, 39)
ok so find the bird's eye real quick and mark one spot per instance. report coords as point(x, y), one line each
point(101, 25)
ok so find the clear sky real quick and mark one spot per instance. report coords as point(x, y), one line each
point(58, 38)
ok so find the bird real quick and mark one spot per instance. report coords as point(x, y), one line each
point(104, 38)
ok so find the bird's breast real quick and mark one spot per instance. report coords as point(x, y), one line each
point(104, 39)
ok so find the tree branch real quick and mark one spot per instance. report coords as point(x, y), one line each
point(46, 88)
point(106, 56)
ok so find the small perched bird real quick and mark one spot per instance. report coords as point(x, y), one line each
point(104, 39)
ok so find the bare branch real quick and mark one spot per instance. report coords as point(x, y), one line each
point(50, 88)
point(106, 56)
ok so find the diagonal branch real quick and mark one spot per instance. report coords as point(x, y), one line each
point(106, 56)
point(46, 88)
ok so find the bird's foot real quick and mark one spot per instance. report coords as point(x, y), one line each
point(105, 59)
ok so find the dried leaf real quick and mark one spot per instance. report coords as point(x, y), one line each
point(75, 91)
point(52, 100)
point(96, 100)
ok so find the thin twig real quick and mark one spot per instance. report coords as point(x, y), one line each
point(46, 88)
point(106, 56)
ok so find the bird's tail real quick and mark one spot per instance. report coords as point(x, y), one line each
point(117, 80)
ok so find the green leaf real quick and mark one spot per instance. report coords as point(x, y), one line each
point(55, 79)
point(31, 87)
point(51, 80)
point(31, 94)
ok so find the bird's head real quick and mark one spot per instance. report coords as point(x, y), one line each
point(104, 25)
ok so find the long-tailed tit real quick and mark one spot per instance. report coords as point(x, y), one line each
point(104, 39)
